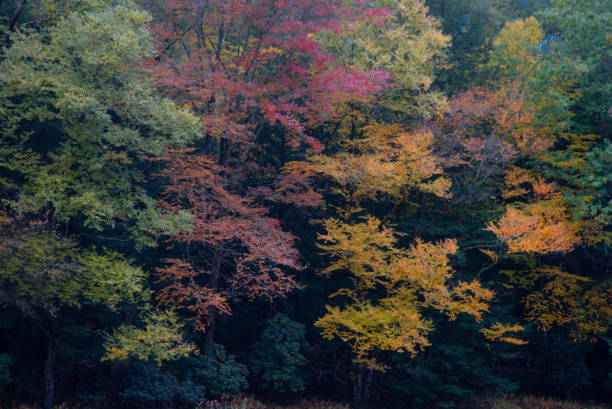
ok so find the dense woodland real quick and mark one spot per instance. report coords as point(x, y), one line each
point(386, 203)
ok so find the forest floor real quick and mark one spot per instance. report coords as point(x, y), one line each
point(523, 402)
point(533, 402)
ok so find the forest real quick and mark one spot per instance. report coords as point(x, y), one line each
point(306, 204)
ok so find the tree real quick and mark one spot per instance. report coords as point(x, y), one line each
point(242, 65)
point(386, 159)
point(570, 300)
point(219, 155)
point(79, 119)
point(541, 227)
point(244, 68)
point(405, 41)
point(44, 275)
point(408, 282)
point(578, 34)
point(233, 247)
point(539, 219)
point(160, 340)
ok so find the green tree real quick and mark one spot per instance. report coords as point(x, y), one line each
point(44, 275)
point(580, 30)
point(79, 120)
point(160, 340)
point(409, 45)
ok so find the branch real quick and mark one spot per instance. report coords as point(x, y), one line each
point(13, 22)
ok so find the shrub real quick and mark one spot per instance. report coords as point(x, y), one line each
point(150, 385)
point(219, 373)
point(278, 357)
point(192, 381)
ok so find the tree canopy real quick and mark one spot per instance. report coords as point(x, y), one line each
point(392, 203)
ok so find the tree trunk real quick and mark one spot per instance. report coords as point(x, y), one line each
point(366, 388)
point(213, 283)
point(49, 372)
point(13, 22)
point(361, 388)
point(210, 337)
point(357, 390)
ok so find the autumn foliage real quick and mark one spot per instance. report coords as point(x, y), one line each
point(233, 248)
point(408, 201)
point(412, 281)
point(245, 64)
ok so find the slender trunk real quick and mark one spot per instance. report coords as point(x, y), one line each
point(13, 22)
point(49, 372)
point(302, 150)
point(357, 390)
point(213, 283)
point(222, 142)
point(210, 336)
point(198, 28)
point(366, 388)
point(362, 386)
point(220, 38)
point(208, 140)
point(224, 152)
point(208, 144)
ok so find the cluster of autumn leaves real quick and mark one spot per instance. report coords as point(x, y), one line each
point(245, 69)
point(388, 138)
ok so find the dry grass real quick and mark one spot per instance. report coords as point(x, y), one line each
point(251, 403)
point(532, 402)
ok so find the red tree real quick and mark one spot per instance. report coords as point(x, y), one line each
point(240, 64)
point(234, 249)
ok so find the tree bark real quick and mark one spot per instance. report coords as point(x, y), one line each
point(210, 337)
point(13, 22)
point(366, 389)
point(213, 283)
point(49, 372)
point(362, 386)
point(357, 389)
